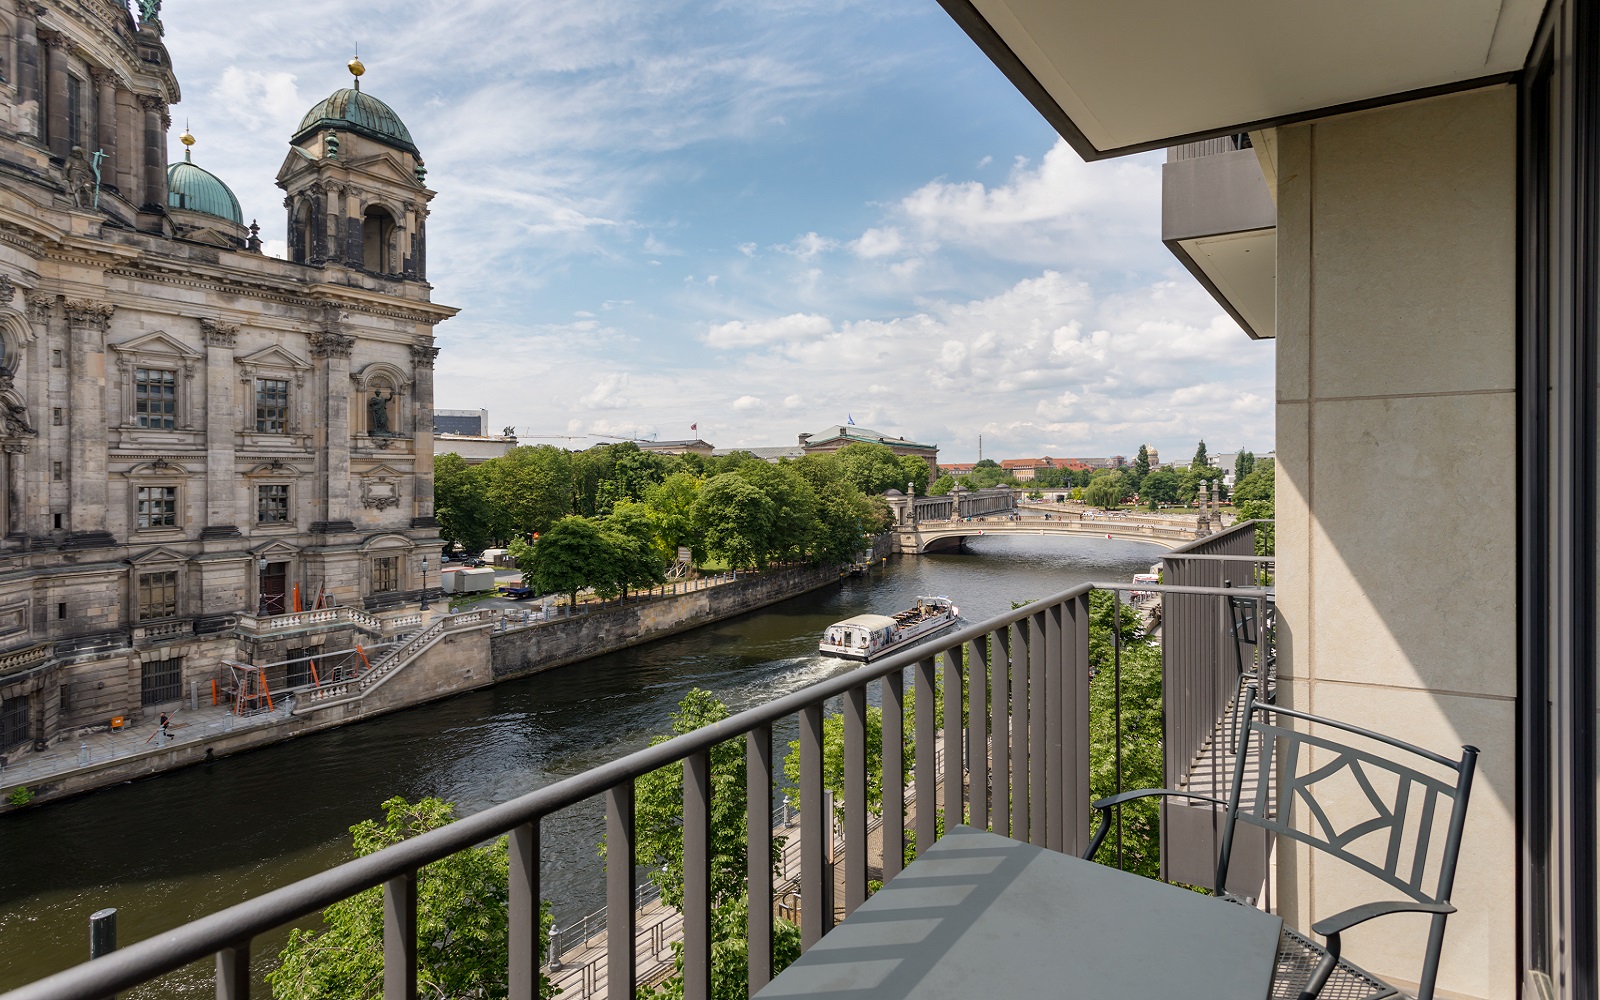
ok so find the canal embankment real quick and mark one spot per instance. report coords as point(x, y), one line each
point(452, 654)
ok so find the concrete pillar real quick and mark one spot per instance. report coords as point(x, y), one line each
point(422, 356)
point(16, 486)
point(87, 323)
point(130, 175)
point(29, 86)
point(155, 153)
point(332, 436)
point(222, 424)
point(55, 51)
point(420, 241)
point(106, 125)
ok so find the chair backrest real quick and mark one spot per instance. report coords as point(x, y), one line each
point(1388, 808)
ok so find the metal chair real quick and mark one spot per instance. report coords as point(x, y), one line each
point(1395, 841)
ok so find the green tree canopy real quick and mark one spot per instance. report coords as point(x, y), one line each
point(1106, 491)
point(462, 930)
point(913, 473)
point(458, 503)
point(1243, 463)
point(944, 484)
point(873, 468)
point(1141, 466)
point(671, 506)
point(735, 520)
point(1160, 486)
point(1200, 460)
point(572, 556)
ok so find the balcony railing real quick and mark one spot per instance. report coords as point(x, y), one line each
point(1022, 677)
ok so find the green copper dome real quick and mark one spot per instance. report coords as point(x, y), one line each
point(353, 111)
point(197, 190)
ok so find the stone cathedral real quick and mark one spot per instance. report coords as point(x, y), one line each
point(196, 439)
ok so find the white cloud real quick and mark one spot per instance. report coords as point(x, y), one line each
point(807, 246)
point(795, 328)
point(878, 243)
point(608, 393)
point(745, 404)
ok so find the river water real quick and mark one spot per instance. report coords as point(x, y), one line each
point(168, 849)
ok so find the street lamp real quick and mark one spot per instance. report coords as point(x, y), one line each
point(424, 584)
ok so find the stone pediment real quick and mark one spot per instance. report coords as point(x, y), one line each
point(382, 167)
point(297, 160)
point(275, 548)
point(159, 554)
point(383, 472)
point(387, 541)
point(159, 342)
point(275, 468)
point(275, 357)
point(158, 468)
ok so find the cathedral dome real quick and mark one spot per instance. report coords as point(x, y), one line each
point(351, 110)
point(198, 190)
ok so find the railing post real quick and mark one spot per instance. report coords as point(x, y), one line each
point(927, 791)
point(697, 876)
point(525, 916)
point(758, 817)
point(977, 731)
point(1038, 697)
point(233, 972)
point(1075, 686)
point(894, 769)
point(400, 937)
point(855, 798)
point(1055, 731)
point(1000, 731)
point(813, 828)
point(620, 918)
point(953, 769)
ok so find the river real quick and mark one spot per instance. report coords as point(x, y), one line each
point(168, 849)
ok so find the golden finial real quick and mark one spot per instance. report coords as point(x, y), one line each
point(187, 138)
point(356, 68)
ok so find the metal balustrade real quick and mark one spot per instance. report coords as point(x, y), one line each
point(1022, 678)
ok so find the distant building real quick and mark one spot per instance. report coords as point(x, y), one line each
point(774, 454)
point(1025, 469)
point(474, 423)
point(841, 435)
point(466, 433)
point(695, 447)
point(957, 469)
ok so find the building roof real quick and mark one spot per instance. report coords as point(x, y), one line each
point(352, 110)
point(693, 443)
point(1028, 463)
point(768, 454)
point(850, 432)
point(196, 189)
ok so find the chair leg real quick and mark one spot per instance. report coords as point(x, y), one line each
point(1324, 969)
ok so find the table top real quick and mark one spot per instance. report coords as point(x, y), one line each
point(983, 916)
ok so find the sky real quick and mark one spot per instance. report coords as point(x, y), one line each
point(760, 217)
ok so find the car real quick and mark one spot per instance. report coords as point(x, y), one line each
point(517, 593)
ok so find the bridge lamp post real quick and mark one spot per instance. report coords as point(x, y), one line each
point(424, 606)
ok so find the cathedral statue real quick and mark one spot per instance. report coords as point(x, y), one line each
point(149, 10)
point(80, 179)
point(378, 413)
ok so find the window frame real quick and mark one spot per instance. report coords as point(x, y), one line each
point(174, 515)
point(142, 413)
point(382, 567)
point(288, 504)
point(284, 411)
point(143, 579)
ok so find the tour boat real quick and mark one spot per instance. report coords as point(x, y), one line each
point(867, 637)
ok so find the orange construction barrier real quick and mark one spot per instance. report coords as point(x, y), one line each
point(213, 691)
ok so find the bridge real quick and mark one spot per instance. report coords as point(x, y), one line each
point(943, 523)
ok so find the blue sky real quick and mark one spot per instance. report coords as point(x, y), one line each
point(760, 216)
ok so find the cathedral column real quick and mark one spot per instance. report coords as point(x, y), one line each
point(332, 438)
point(55, 51)
point(222, 425)
point(155, 153)
point(422, 356)
point(106, 124)
point(27, 70)
point(354, 251)
point(129, 172)
point(35, 506)
point(87, 323)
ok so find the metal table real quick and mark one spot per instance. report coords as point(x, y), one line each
point(982, 916)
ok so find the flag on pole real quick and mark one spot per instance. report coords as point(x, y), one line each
point(850, 420)
point(694, 427)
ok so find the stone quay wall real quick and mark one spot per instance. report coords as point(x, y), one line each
point(518, 652)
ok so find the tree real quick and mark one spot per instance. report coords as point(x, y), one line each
point(458, 503)
point(1106, 491)
point(913, 473)
point(671, 506)
point(873, 468)
point(571, 556)
point(944, 484)
point(526, 490)
point(794, 510)
point(1254, 498)
point(1141, 467)
point(1200, 460)
point(1160, 486)
point(1242, 466)
point(735, 520)
point(462, 930)
point(637, 558)
point(658, 820)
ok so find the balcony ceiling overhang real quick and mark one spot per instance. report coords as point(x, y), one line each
point(1117, 78)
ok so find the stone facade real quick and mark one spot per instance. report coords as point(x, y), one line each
point(188, 431)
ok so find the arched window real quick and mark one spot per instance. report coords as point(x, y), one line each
point(377, 233)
